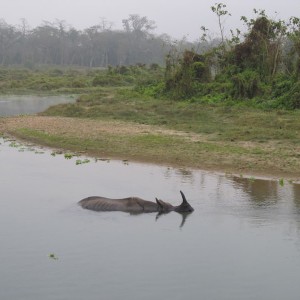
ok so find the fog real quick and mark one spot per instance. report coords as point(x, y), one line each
point(176, 18)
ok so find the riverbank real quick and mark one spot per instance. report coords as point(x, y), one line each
point(118, 139)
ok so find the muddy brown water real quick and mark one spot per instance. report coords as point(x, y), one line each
point(241, 242)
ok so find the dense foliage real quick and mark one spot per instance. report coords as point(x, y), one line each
point(262, 67)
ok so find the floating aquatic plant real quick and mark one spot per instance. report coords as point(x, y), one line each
point(53, 256)
point(281, 182)
point(14, 144)
point(57, 152)
point(102, 159)
point(252, 179)
point(69, 155)
point(39, 152)
point(80, 162)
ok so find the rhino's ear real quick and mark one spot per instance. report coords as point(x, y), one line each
point(159, 203)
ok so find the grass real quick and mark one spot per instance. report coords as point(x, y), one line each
point(58, 80)
point(222, 123)
point(146, 147)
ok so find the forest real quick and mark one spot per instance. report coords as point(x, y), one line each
point(57, 43)
point(259, 66)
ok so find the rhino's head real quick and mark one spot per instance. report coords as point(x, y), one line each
point(184, 207)
point(165, 207)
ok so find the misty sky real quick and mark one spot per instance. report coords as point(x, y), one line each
point(177, 18)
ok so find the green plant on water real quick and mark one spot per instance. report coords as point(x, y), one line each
point(57, 152)
point(281, 182)
point(80, 162)
point(69, 155)
point(14, 145)
point(39, 152)
point(53, 256)
point(252, 179)
point(102, 159)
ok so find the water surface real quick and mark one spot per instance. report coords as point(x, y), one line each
point(241, 242)
point(20, 105)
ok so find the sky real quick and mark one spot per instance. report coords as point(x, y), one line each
point(177, 18)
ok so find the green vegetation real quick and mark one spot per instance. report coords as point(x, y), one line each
point(260, 68)
point(69, 155)
point(281, 182)
point(75, 81)
point(53, 256)
point(82, 161)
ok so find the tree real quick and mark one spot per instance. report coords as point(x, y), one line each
point(220, 10)
point(263, 44)
point(138, 25)
point(294, 37)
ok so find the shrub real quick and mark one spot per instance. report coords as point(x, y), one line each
point(291, 100)
point(246, 84)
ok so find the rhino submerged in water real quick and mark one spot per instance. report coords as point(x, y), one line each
point(134, 205)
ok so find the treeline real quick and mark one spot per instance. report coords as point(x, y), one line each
point(98, 46)
point(262, 64)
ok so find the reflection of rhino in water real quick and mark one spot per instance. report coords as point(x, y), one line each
point(134, 205)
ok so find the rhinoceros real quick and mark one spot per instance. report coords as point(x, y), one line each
point(134, 205)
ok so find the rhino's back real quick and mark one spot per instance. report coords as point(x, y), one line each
point(101, 203)
point(131, 204)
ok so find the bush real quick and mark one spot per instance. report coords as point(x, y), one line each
point(107, 80)
point(201, 71)
point(246, 85)
point(152, 90)
point(78, 83)
point(291, 100)
point(281, 85)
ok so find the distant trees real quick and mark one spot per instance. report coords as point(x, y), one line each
point(139, 26)
point(57, 43)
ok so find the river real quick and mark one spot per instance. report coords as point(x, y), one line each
point(241, 242)
point(11, 105)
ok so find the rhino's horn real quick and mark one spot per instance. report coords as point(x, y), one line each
point(183, 197)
